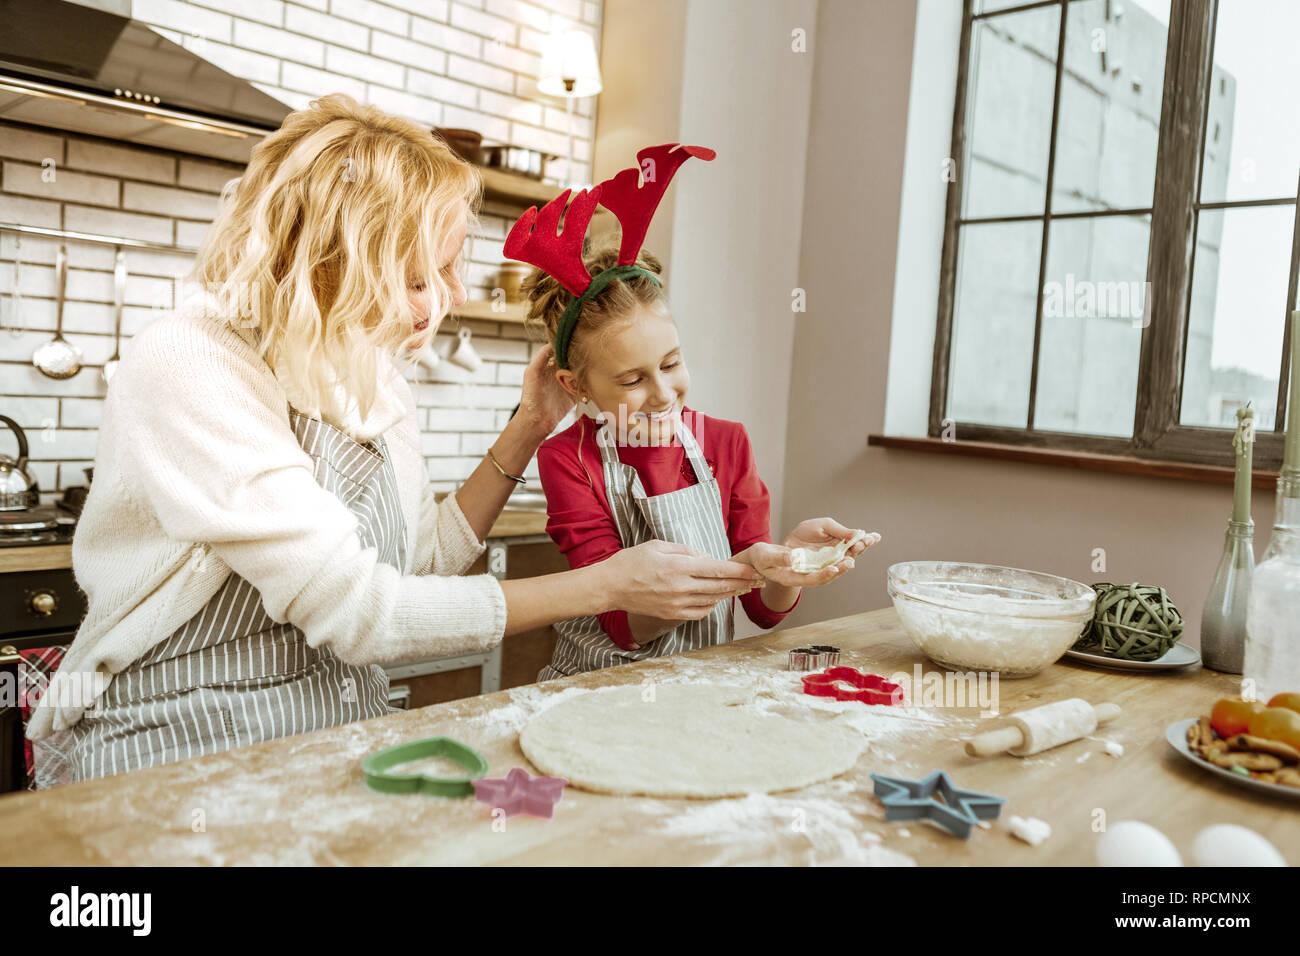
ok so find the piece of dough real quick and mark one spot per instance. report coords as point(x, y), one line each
point(690, 740)
point(1032, 830)
point(1053, 724)
point(807, 560)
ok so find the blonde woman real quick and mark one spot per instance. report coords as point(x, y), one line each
point(261, 534)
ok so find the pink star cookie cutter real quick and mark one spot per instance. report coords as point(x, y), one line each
point(849, 683)
point(520, 792)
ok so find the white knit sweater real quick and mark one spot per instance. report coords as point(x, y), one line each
point(198, 473)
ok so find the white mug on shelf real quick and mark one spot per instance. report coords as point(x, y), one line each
point(463, 354)
point(429, 356)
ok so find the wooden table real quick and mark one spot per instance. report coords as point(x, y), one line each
point(301, 799)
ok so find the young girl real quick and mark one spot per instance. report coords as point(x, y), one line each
point(638, 464)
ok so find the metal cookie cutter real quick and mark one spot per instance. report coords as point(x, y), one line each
point(813, 657)
point(956, 810)
point(375, 766)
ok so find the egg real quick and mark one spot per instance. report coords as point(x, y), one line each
point(1134, 843)
point(1226, 844)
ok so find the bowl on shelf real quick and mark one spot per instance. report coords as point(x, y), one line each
point(982, 617)
point(465, 143)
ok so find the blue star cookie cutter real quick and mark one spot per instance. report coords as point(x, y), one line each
point(957, 811)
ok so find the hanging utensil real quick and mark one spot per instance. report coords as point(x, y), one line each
point(119, 294)
point(15, 294)
point(59, 358)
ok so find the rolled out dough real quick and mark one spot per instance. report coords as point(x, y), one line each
point(690, 740)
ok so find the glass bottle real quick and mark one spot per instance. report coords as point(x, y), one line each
point(1272, 663)
point(1223, 619)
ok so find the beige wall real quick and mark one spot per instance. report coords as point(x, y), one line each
point(637, 110)
point(1157, 531)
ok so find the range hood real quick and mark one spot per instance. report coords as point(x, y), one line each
point(79, 69)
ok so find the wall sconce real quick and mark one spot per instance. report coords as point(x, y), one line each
point(569, 69)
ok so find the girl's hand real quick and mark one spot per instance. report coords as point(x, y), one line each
point(822, 533)
point(671, 582)
point(544, 403)
point(773, 562)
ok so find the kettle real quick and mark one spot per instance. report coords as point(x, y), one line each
point(18, 488)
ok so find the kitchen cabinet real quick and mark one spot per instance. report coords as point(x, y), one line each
point(518, 547)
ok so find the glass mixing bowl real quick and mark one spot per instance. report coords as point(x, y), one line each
point(982, 617)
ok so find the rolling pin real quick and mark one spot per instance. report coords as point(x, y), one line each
point(1041, 728)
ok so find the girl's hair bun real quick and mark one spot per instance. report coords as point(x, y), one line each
point(547, 299)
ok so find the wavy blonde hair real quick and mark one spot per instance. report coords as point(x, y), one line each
point(317, 239)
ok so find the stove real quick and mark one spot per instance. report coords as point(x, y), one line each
point(44, 524)
point(40, 611)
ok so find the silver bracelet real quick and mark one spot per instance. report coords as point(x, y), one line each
point(515, 478)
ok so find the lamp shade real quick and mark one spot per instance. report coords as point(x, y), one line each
point(569, 65)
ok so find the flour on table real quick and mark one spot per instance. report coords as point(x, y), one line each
point(693, 740)
point(818, 822)
point(443, 767)
point(525, 703)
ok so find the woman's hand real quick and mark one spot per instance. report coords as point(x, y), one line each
point(544, 403)
point(541, 408)
point(772, 561)
point(672, 582)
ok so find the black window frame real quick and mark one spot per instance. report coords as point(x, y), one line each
point(1157, 431)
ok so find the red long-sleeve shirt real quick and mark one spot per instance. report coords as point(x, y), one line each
point(580, 521)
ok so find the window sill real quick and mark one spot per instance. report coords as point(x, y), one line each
point(1088, 461)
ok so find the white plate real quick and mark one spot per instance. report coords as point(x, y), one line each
point(1180, 655)
point(1176, 737)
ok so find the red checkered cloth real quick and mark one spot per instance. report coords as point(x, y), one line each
point(46, 760)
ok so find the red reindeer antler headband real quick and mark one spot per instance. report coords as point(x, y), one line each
point(632, 195)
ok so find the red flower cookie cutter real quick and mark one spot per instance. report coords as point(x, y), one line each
point(849, 683)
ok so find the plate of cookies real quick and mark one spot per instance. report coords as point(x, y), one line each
point(1250, 760)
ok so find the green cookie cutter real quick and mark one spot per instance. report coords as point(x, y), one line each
point(376, 765)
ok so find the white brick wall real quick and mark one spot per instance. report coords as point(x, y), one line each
point(470, 63)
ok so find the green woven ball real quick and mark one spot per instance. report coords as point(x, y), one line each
point(1135, 622)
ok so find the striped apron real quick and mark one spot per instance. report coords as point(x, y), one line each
point(231, 676)
point(691, 516)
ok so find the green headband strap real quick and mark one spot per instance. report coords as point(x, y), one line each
point(569, 320)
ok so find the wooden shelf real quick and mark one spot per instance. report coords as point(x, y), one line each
point(516, 188)
point(519, 189)
point(514, 312)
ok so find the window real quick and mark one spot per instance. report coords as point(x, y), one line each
point(1120, 253)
